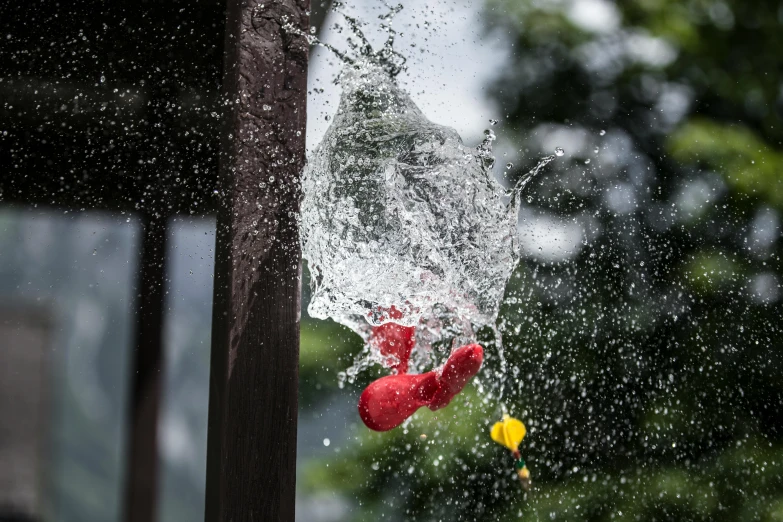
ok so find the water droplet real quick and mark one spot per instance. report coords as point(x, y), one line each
point(595, 150)
point(509, 166)
point(559, 151)
point(312, 31)
point(267, 107)
point(493, 121)
point(587, 161)
point(423, 436)
point(602, 133)
point(327, 442)
point(95, 251)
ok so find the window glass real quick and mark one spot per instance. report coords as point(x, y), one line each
point(78, 271)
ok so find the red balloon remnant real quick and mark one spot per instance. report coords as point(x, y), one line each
point(388, 401)
point(395, 342)
point(393, 311)
point(462, 365)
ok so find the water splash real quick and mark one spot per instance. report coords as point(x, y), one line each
point(361, 51)
point(398, 212)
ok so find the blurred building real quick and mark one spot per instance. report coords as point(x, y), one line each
point(25, 347)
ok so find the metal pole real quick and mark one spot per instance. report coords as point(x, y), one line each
point(251, 448)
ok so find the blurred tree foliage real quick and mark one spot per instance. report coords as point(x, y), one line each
point(646, 357)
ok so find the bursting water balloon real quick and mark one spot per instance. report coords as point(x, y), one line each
point(399, 214)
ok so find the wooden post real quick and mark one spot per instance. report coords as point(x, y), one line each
point(141, 473)
point(251, 448)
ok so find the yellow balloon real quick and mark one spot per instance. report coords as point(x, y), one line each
point(509, 432)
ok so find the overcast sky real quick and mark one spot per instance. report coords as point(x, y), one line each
point(450, 61)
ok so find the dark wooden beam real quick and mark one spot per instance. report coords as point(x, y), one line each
point(141, 482)
point(251, 448)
